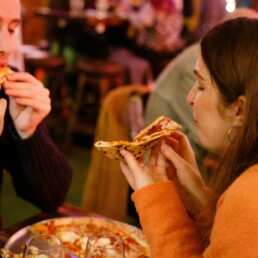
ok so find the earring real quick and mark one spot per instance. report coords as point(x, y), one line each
point(229, 132)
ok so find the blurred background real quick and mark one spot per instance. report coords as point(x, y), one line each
point(82, 50)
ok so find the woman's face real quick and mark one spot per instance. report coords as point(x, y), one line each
point(212, 119)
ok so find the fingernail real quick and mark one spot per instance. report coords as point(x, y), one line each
point(10, 76)
point(164, 145)
point(122, 152)
point(6, 84)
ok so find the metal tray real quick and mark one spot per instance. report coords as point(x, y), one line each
point(17, 240)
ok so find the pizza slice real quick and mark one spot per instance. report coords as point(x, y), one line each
point(4, 253)
point(142, 142)
point(4, 71)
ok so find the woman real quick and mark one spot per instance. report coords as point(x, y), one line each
point(179, 216)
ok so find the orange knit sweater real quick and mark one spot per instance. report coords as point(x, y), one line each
point(172, 233)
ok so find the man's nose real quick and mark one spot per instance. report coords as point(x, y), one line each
point(6, 43)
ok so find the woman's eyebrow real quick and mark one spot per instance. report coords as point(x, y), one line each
point(198, 74)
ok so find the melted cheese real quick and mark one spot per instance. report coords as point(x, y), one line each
point(68, 236)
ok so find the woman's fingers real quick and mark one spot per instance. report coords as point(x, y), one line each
point(170, 154)
point(137, 176)
point(153, 156)
point(131, 162)
point(127, 172)
point(181, 145)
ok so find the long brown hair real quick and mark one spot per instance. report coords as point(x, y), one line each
point(230, 52)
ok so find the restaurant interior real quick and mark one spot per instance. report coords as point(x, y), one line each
point(82, 53)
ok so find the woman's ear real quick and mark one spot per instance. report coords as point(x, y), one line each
point(239, 111)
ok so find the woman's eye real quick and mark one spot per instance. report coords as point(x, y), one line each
point(200, 86)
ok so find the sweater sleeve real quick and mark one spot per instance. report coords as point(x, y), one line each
point(171, 232)
point(165, 222)
point(39, 171)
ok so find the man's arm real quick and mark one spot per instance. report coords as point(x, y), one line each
point(40, 173)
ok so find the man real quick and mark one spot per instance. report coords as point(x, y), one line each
point(39, 171)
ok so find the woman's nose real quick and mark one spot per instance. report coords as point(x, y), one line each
point(191, 96)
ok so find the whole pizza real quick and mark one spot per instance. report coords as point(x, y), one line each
point(74, 233)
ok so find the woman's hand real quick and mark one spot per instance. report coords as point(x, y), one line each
point(29, 102)
point(139, 175)
point(183, 170)
point(173, 160)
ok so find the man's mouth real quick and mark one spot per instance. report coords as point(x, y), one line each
point(3, 62)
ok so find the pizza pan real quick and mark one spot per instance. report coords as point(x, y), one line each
point(18, 239)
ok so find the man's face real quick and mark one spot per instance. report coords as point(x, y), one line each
point(9, 21)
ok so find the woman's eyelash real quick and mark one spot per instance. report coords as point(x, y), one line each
point(200, 86)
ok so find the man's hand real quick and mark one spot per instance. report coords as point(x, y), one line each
point(29, 102)
point(3, 105)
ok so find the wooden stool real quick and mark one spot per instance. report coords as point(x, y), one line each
point(50, 70)
point(104, 76)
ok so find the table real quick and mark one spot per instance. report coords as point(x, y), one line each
point(66, 210)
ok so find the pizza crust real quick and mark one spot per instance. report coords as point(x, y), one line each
point(8, 254)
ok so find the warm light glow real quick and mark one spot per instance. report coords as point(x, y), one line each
point(136, 2)
point(230, 6)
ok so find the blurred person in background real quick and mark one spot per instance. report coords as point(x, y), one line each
point(179, 215)
point(205, 14)
point(39, 172)
point(154, 31)
point(158, 24)
point(210, 13)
